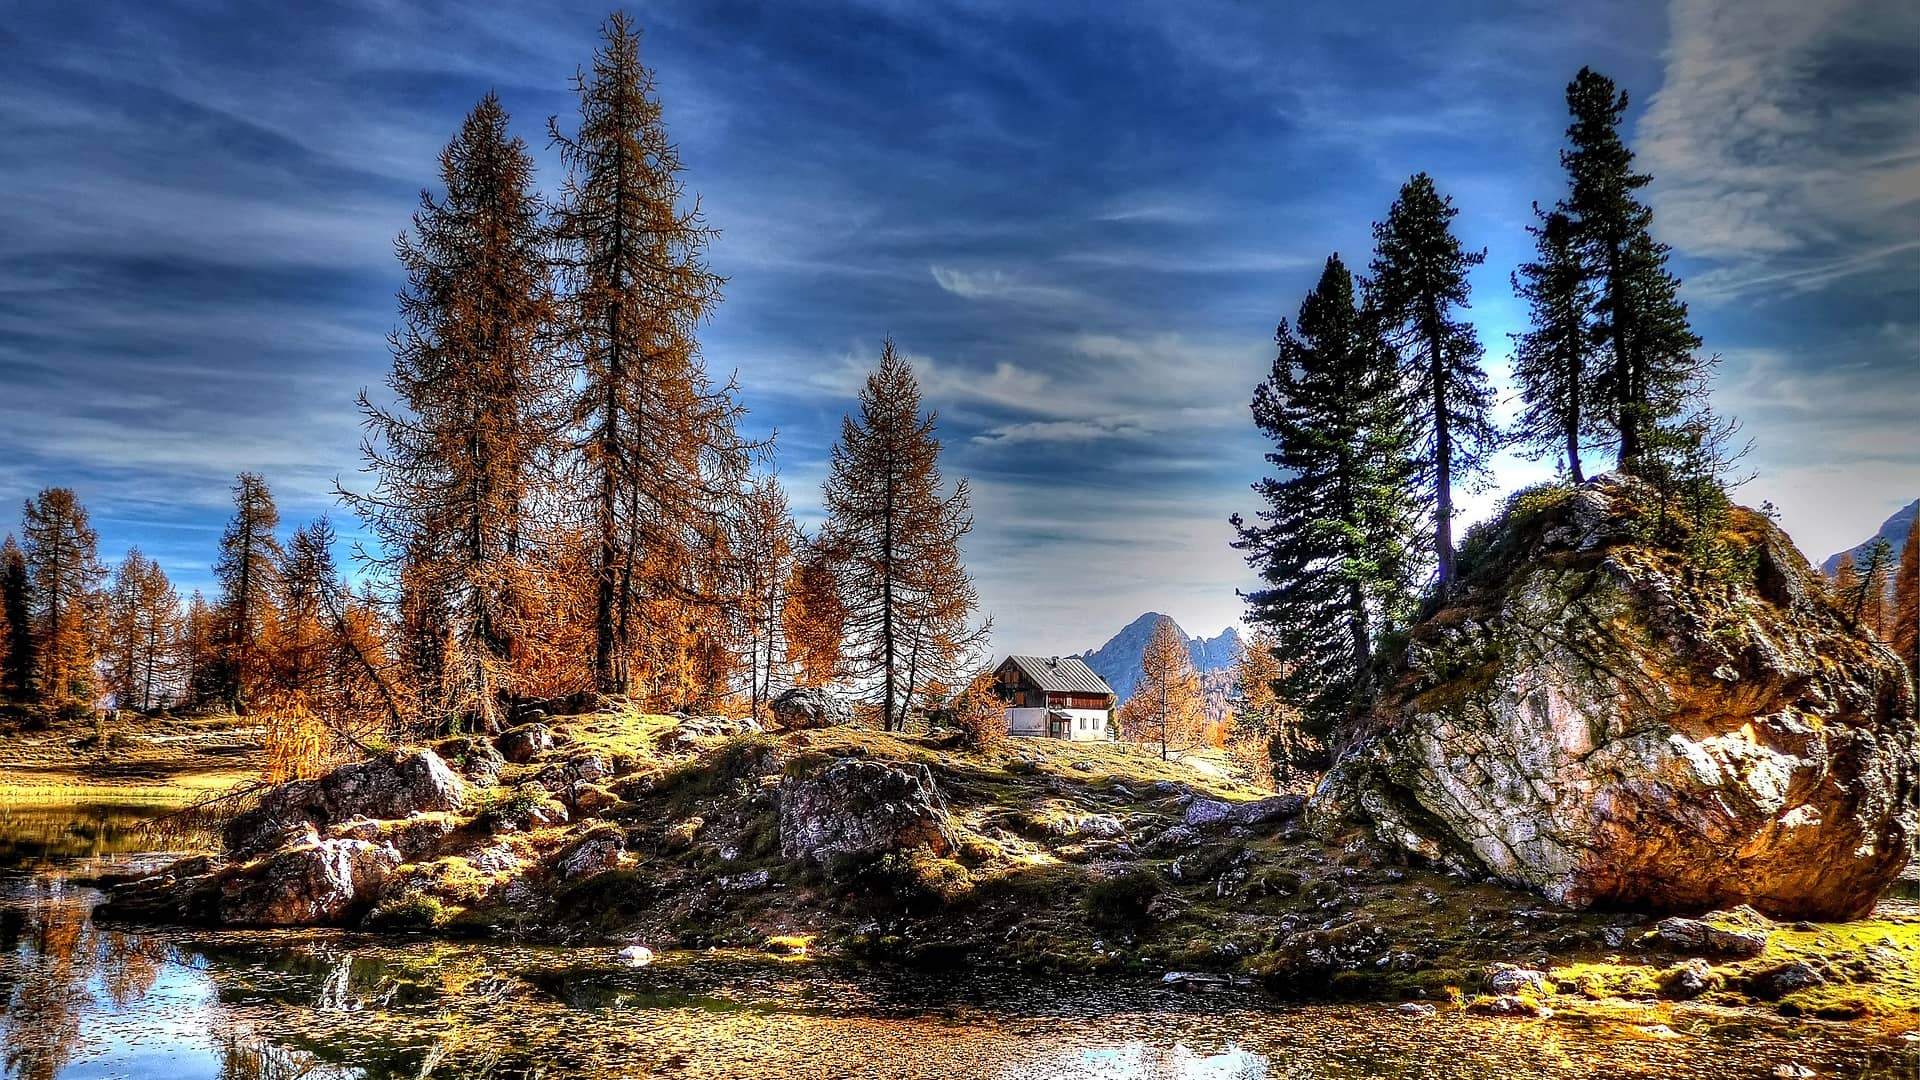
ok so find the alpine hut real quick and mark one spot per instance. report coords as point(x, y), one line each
point(1053, 697)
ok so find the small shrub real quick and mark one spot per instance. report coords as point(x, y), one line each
point(408, 911)
point(912, 879)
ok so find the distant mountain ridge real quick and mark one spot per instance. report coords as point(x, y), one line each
point(1118, 661)
point(1894, 530)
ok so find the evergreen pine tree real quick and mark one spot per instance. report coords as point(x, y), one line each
point(1331, 542)
point(1551, 362)
point(479, 387)
point(16, 615)
point(1868, 599)
point(248, 569)
point(1651, 365)
point(1419, 281)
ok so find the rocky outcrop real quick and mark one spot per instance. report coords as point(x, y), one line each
point(806, 707)
point(855, 808)
point(1616, 722)
point(390, 785)
point(322, 884)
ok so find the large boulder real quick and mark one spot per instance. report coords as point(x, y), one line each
point(391, 785)
point(856, 808)
point(322, 884)
point(808, 707)
point(1611, 721)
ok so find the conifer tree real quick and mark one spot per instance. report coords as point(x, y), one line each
point(907, 599)
point(1846, 582)
point(143, 634)
point(1330, 543)
point(63, 570)
point(248, 569)
point(763, 542)
point(1651, 366)
point(814, 620)
point(16, 617)
point(1165, 710)
point(1552, 361)
point(1419, 281)
point(460, 461)
point(201, 675)
point(1868, 598)
point(1903, 631)
point(661, 451)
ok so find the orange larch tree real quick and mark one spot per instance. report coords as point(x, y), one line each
point(1166, 709)
point(660, 452)
point(460, 461)
point(1903, 630)
point(60, 551)
point(895, 533)
point(143, 633)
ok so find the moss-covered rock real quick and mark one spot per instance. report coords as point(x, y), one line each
point(1614, 721)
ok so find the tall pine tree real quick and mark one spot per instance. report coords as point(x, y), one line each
point(1419, 283)
point(248, 570)
point(479, 388)
point(1903, 633)
point(143, 634)
point(895, 533)
point(1651, 366)
point(16, 616)
point(64, 574)
point(1552, 361)
point(661, 451)
point(1331, 544)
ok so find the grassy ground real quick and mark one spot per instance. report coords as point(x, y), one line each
point(153, 761)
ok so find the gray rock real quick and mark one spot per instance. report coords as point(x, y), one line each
point(476, 760)
point(1512, 979)
point(1693, 935)
point(320, 885)
point(1509, 1005)
point(596, 854)
point(1686, 980)
point(695, 730)
point(855, 807)
point(1418, 1009)
point(1196, 982)
point(751, 881)
point(809, 707)
point(1210, 813)
point(1568, 724)
point(526, 742)
point(1777, 982)
point(392, 785)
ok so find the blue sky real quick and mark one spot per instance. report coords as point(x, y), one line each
point(1081, 221)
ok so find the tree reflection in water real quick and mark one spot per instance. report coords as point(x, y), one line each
point(58, 966)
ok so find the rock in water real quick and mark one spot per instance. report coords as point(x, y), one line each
point(808, 707)
point(1610, 721)
point(391, 785)
point(852, 807)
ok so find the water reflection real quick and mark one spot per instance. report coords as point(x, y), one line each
point(82, 1001)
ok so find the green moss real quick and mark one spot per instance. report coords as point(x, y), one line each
point(409, 911)
point(1121, 902)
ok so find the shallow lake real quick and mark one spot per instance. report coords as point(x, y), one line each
point(80, 1001)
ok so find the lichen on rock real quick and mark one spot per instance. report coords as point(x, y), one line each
point(1605, 720)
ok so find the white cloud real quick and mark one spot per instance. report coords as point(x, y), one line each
point(999, 285)
point(1784, 138)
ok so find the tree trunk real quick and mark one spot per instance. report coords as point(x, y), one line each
point(1442, 454)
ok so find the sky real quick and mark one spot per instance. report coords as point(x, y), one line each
point(1081, 222)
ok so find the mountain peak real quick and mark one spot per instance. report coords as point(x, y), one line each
point(1894, 530)
point(1118, 661)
